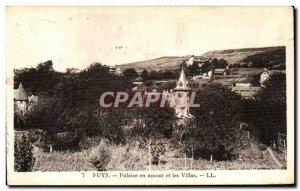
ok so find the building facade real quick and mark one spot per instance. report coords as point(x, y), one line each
point(246, 91)
point(182, 97)
point(20, 100)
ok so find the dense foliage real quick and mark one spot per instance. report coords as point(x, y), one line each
point(215, 129)
point(267, 112)
point(101, 158)
point(24, 159)
point(41, 79)
point(266, 59)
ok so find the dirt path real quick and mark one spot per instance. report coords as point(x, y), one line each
point(274, 158)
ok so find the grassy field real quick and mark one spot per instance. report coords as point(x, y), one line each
point(125, 158)
point(162, 63)
point(232, 56)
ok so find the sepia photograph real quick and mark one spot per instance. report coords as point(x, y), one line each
point(150, 95)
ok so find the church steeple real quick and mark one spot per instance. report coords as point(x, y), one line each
point(182, 83)
point(182, 97)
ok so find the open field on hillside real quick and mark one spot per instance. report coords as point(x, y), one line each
point(162, 63)
point(232, 56)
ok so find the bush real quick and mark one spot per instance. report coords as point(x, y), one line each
point(65, 141)
point(24, 159)
point(149, 83)
point(89, 142)
point(262, 147)
point(251, 153)
point(158, 149)
point(214, 133)
point(101, 158)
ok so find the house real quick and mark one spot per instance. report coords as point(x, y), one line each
point(234, 71)
point(219, 71)
point(22, 102)
point(200, 60)
point(206, 75)
point(116, 70)
point(119, 71)
point(246, 92)
point(112, 69)
point(31, 101)
point(244, 82)
point(264, 76)
point(243, 86)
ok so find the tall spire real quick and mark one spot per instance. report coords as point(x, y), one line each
point(20, 93)
point(182, 83)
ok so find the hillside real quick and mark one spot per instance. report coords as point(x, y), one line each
point(257, 57)
point(161, 63)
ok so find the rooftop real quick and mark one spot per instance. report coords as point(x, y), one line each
point(20, 94)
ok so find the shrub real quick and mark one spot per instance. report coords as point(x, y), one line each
point(24, 159)
point(149, 83)
point(158, 149)
point(251, 153)
point(65, 141)
point(127, 157)
point(214, 133)
point(89, 142)
point(101, 158)
point(262, 147)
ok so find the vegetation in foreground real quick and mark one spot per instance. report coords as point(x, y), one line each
point(128, 158)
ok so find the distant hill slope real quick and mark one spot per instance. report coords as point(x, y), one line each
point(162, 63)
point(258, 57)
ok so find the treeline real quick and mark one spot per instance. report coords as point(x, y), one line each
point(266, 114)
point(266, 59)
point(190, 70)
point(151, 75)
point(70, 106)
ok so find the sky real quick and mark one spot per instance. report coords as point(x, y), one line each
point(75, 37)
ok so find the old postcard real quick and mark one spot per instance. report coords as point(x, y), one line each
point(150, 95)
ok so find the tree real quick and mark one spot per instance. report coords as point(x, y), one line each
point(215, 62)
point(153, 124)
point(169, 74)
point(43, 78)
point(215, 129)
point(154, 75)
point(222, 63)
point(206, 67)
point(270, 103)
point(145, 75)
point(113, 123)
point(23, 155)
point(44, 114)
point(71, 70)
point(193, 69)
point(130, 73)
